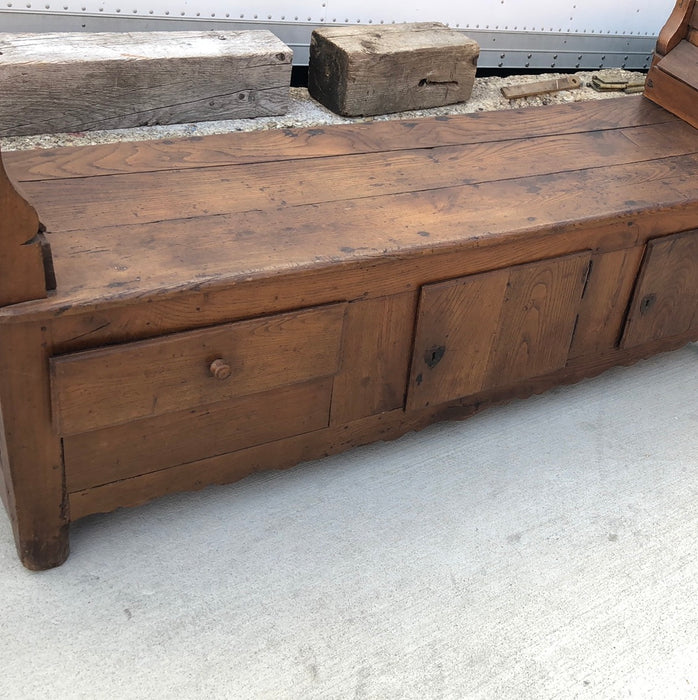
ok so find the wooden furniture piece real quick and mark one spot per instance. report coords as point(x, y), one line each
point(242, 302)
point(366, 69)
point(672, 81)
point(84, 81)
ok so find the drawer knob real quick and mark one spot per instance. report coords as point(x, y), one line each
point(220, 369)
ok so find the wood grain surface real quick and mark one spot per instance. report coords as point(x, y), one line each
point(22, 271)
point(682, 63)
point(72, 204)
point(236, 313)
point(348, 139)
point(113, 385)
point(124, 451)
point(83, 81)
point(494, 329)
point(665, 301)
point(366, 70)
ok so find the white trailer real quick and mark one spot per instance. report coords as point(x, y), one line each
point(512, 34)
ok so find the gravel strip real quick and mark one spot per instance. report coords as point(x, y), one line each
point(304, 111)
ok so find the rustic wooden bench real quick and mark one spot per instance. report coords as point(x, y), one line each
point(234, 303)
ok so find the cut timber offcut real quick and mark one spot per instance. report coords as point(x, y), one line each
point(541, 87)
point(366, 70)
point(78, 82)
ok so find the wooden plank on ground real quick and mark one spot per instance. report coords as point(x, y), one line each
point(83, 81)
point(541, 87)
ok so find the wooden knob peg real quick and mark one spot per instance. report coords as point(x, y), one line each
point(220, 369)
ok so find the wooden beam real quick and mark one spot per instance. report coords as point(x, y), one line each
point(82, 81)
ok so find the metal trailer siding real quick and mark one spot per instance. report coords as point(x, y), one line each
point(512, 34)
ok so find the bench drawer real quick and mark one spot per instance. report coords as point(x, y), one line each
point(143, 446)
point(98, 388)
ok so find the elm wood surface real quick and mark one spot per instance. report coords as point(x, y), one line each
point(80, 81)
point(493, 329)
point(665, 300)
point(389, 425)
point(363, 69)
point(96, 388)
point(22, 273)
point(297, 144)
point(610, 280)
point(227, 190)
point(152, 444)
point(672, 81)
point(444, 215)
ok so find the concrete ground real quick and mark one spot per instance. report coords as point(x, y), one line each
point(542, 549)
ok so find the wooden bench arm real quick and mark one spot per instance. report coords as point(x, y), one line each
point(676, 27)
point(26, 269)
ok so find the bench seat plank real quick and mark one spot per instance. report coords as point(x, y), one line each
point(97, 202)
point(295, 144)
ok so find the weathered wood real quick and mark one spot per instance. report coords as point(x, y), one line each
point(602, 310)
point(22, 270)
point(672, 94)
point(537, 319)
point(348, 139)
point(676, 26)
point(124, 262)
point(30, 453)
point(495, 329)
point(97, 388)
point(365, 70)
point(124, 451)
point(665, 301)
point(82, 81)
point(541, 87)
point(682, 64)
point(286, 453)
point(163, 196)
point(672, 81)
point(274, 319)
point(376, 356)
point(692, 33)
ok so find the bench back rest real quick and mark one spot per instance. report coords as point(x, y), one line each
point(692, 34)
point(682, 24)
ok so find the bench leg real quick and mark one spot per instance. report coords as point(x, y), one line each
point(33, 484)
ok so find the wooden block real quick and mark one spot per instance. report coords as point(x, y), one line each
point(75, 82)
point(364, 70)
point(541, 87)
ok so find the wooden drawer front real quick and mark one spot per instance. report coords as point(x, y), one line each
point(98, 388)
point(665, 301)
point(494, 329)
point(148, 445)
